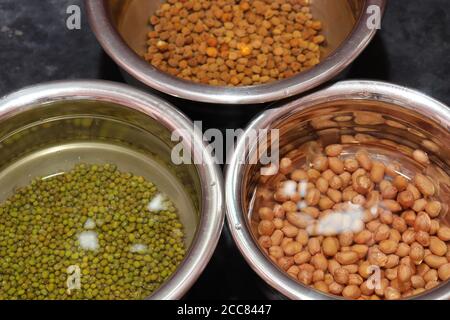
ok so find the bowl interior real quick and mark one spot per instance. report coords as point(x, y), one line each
point(392, 132)
point(52, 138)
point(131, 19)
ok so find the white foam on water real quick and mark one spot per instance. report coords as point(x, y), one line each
point(374, 210)
point(289, 188)
point(89, 224)
point(303, 188)
point(302, 205)
point(88, 240)
point(138, 248)
point(157, 203)
point(350, 219)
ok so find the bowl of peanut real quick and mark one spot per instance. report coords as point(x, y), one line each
point(234, 51)
point(357, 205)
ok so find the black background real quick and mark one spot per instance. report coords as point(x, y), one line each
point(412, 49)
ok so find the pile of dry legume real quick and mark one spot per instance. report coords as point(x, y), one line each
point(123, 237)
point(231, 42)
point(333, 222)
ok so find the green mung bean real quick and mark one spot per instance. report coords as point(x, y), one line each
point(94, 219)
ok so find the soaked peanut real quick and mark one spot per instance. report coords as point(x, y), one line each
point(351, 292)
point(351, 218)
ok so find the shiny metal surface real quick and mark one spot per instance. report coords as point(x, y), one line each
point(48, 128)
point(425, 124)
point(121, 27)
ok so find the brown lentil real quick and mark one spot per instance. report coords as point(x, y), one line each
point(234, 43)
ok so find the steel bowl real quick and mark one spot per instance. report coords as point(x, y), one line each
point(420, 122)
point(121, 26)
point(48, 128)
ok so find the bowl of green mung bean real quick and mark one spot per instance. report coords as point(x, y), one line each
point(92, 205)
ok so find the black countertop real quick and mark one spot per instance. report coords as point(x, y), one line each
point(411, 49)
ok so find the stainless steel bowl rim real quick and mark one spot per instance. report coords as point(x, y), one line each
point(212, 216)
point(128, 60)
point(358, 90)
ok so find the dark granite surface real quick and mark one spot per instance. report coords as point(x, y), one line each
point(412, 49)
